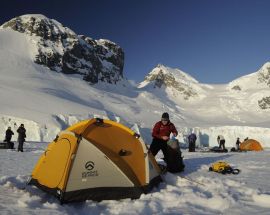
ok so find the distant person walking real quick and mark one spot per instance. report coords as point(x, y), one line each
point(221, 142)
point(9, 134)
point(21, 137)
point(192, 142)
point(238, 143)
point(161, 134)
point(8, 138)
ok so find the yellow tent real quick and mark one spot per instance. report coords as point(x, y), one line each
point(96, 159)
point(251, 145)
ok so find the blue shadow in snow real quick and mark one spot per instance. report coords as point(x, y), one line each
point(70, 96)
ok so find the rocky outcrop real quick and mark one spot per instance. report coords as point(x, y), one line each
point(236, 87)
point(264, 103)
point(62, 50)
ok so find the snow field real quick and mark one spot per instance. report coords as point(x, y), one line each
point(194, 191)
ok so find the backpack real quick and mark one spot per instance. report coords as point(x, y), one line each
point(174, 157)
point(223, 167)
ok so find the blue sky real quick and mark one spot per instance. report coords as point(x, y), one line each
point(215, 41)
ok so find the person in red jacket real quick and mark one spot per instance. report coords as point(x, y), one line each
point(161, 134)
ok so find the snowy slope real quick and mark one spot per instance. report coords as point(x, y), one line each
point(256, 86)
point(256, 80)
point(32, 92)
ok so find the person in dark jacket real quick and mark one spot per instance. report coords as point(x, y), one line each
point(238, 143)
point(161, 134)
point(21, 137)
point(8, 137)
point(191, 142)
point(9, 134)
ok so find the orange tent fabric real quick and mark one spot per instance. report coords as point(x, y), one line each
point(251, 145)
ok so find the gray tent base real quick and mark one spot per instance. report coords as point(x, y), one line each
point(100, 193)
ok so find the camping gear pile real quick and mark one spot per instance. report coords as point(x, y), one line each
point(218, 149)
point(96, 159)
point(224, 168)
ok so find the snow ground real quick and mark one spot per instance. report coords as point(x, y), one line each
point(246, 193)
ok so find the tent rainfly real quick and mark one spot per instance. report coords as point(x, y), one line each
point(251, 145)
point(96, 159)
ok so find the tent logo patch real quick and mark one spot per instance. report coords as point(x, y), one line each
point(90, 165)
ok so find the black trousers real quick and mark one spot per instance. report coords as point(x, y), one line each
point(8, 139)
point(222, 144)
point(158, 144)
point(191, 146)
point(20, 146)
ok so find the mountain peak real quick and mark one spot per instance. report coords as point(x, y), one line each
point(62, 50)
point(264, 74)
point(175, 80)
point(162, 75)
point(39, 25)
point(167, 71)
point(255, 80)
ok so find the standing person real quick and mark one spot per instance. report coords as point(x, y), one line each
point(191, 142)
point(221, 142)
point(238, 144)
point(9, 134)
point(21, 137)
point(8, 138)
point(161, 134)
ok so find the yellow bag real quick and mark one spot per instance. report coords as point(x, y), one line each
point(223, 167)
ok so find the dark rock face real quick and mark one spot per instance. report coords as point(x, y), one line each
point(61, 50)
point(236, 87)
point(264, 103)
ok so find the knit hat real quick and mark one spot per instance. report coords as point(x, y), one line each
point(165, 116)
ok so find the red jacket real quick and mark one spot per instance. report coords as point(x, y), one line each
point(160, 130)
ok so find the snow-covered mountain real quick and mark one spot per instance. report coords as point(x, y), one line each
point(174, 81)
point(237, 109)
point(60, 49)
point(43, 64)
point(256, 84)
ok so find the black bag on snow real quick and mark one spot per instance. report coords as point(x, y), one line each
point(6, 145)
point(174, 157)
point(217, 149)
